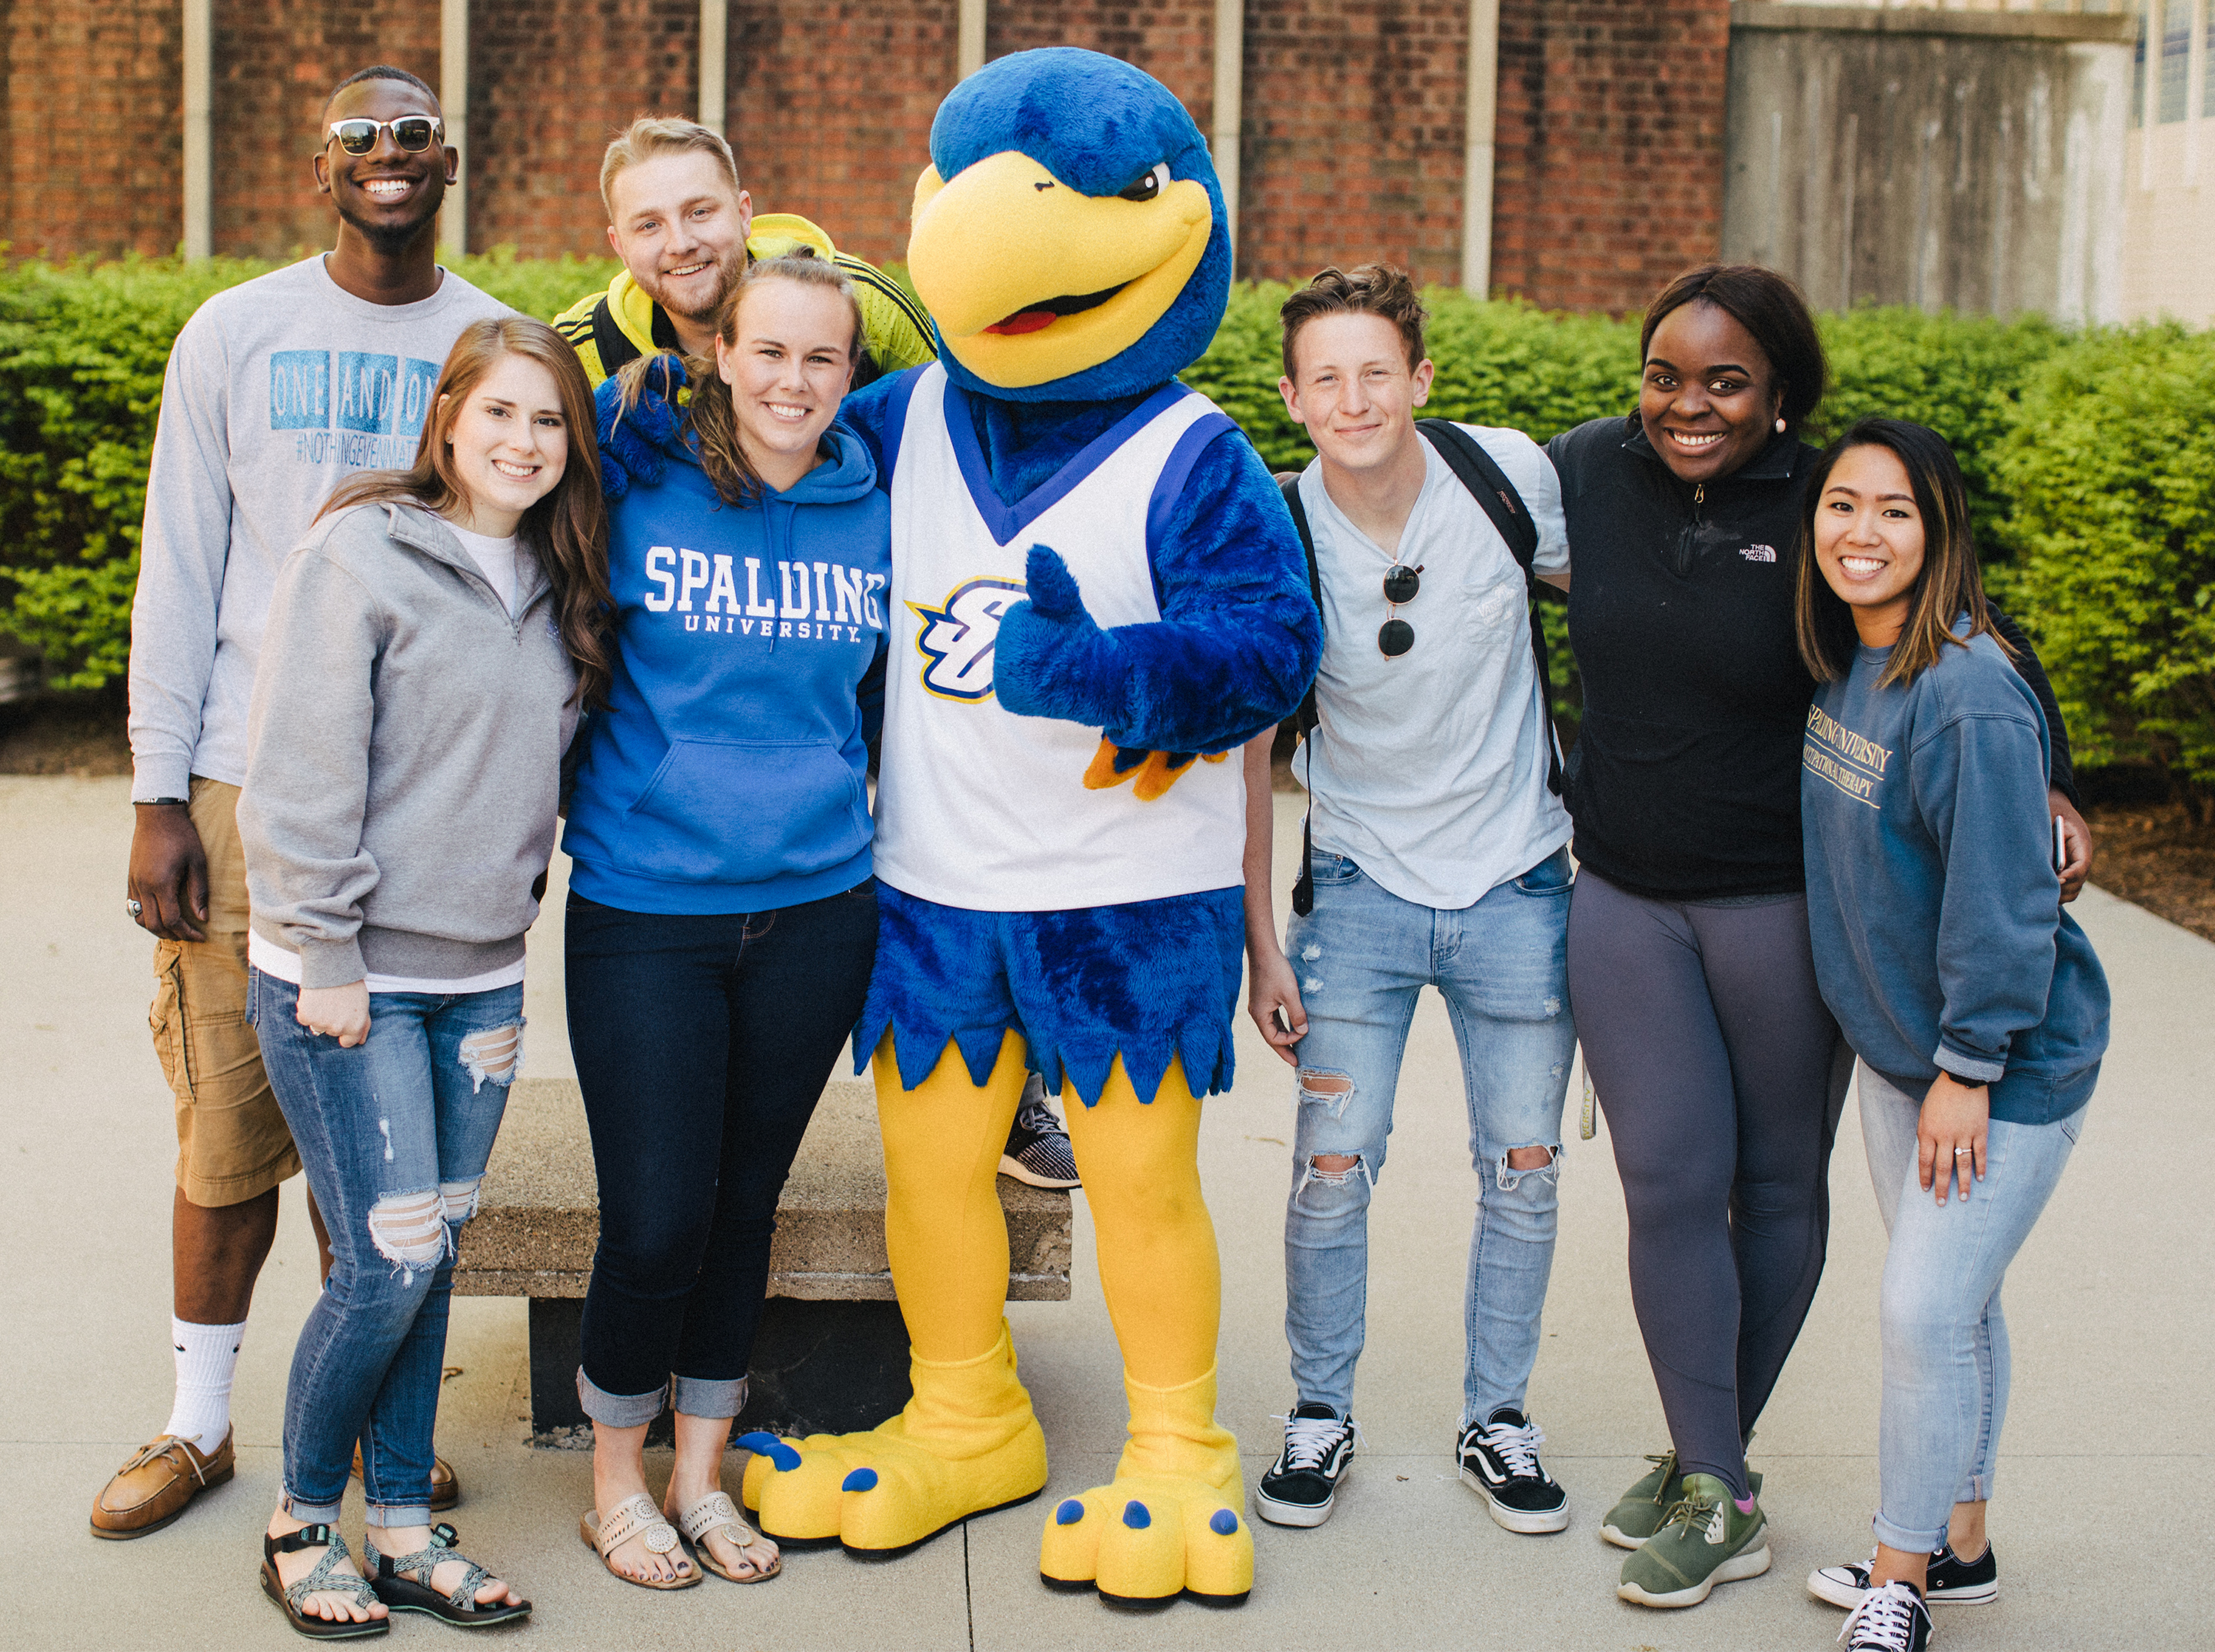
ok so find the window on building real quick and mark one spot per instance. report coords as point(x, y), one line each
point(2139, 70)
point(2175, 60)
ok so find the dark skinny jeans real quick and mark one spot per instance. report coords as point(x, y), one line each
point(701, 1045)
point(1723, 1074)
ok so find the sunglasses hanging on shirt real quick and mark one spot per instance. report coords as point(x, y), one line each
point(1395, 636)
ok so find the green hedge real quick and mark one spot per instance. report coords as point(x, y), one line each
point(2111, 468)
point(2089, 457)
point(82, 351)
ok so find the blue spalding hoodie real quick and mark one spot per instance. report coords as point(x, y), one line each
point(728, 773)
point(1940, 940)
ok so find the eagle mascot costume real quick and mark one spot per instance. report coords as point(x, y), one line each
point(1097, 595)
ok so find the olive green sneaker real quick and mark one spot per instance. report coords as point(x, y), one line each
point(1639, 1513)
point(1704, 1540)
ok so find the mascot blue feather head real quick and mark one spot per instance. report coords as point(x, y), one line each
point(1070, 239)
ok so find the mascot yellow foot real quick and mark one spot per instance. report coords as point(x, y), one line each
point(1168, 1524)
point(967, 1444)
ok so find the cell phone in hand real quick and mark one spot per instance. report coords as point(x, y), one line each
point(2060, 846)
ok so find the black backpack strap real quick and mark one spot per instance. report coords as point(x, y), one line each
point(1303, 886)
point(1488, 485)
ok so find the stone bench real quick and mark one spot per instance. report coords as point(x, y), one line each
point(832, 1351)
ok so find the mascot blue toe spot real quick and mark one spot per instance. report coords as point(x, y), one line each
point(1069, 1513)
point(1223, 1522)
point(860, 1480)
point(1135, 1515)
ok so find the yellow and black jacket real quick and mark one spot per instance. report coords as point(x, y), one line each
point(621, 324)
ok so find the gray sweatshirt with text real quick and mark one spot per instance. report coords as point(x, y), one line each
point(277, 391)
point(405, 747)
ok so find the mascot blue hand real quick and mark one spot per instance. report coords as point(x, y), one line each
point(631, 438)
point(1051, 660)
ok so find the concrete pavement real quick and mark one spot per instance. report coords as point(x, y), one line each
point(2100, 1486)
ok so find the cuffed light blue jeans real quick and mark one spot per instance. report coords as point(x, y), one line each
point(1944, 1338)
point(395, 1134)
point(1362, 957)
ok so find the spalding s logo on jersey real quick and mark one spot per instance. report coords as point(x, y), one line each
point(956, 641)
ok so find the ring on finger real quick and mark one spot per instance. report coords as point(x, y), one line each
point(1960, 1152)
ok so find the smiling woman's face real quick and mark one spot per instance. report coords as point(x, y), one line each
point(1709, 398)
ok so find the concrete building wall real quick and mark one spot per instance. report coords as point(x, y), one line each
point(2169, 187)
point(1942, 159)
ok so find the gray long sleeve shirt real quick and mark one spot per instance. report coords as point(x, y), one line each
point(276, 389)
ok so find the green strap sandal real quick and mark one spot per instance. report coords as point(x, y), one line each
point(390, 1576)
point(325, 1579)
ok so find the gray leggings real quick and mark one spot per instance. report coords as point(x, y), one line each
point(1723, 1074)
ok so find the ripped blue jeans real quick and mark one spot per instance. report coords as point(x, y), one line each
point(1362, 956)
point(393, 1134)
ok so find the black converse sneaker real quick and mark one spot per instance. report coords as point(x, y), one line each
point(1889, 1619)
point(1303, 1482)
point(1500, 1457)
point(1038, 1150)
point(1953, 1581)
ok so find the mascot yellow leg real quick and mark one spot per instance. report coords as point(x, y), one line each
point(1168, 1524)
point(967, 1442)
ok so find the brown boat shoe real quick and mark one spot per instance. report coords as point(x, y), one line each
point(160, 1480)
point(445, 1489)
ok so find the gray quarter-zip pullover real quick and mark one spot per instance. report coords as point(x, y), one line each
point(404, 748)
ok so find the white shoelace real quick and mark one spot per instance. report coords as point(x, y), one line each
point(1517, 1448)
point(1884, 1622)
point(1310, 1441)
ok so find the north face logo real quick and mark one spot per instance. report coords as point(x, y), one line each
point(1759, 553)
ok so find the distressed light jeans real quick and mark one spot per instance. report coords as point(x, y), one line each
point(1362, 956)
point(1946, 1364)
point(393, 1134)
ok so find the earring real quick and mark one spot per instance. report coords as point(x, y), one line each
point(1780, 426)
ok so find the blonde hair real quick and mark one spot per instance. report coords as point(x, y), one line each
point(661, 134)
point(708, 414)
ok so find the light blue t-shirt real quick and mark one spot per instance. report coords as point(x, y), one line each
point(1428, 770)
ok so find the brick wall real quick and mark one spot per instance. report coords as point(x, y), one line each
point(1353, 148)
point(1607, 171)
point(549, 84)
point(93, 111)
point(831, 103)
point(1609, 140)
point(275, 63)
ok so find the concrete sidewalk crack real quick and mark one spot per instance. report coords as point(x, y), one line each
point(968, 1594)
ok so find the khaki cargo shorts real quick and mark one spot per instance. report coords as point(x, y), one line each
point(232, 1144)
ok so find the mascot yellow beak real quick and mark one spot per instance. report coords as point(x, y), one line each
point(1031, 281)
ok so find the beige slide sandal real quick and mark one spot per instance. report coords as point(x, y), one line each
point(715, 1514)
point(635, 1516)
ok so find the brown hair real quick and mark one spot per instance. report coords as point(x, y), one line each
point(1947, 586)
point(661, 134)
point(567, 530)
point(1768, 306)
point(712, 421)
point(1368, 289)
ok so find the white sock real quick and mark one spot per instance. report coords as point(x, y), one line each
point(208, 1355)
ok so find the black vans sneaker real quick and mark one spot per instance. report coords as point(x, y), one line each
point(1889, 1619)
point(1500, 1457)
point(1951, 1580)
point(1038, 1150)
point(1303, 1482)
